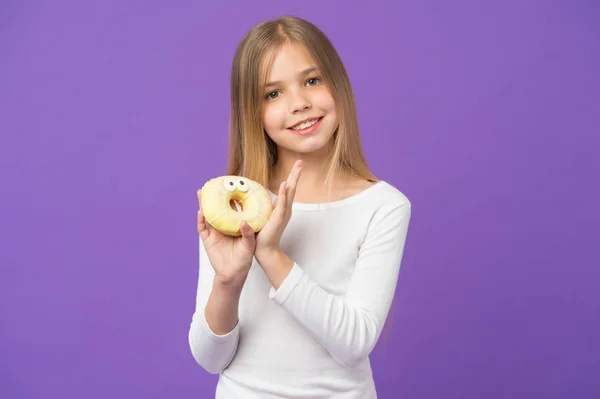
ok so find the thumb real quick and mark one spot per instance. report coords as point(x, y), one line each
point(248, 237)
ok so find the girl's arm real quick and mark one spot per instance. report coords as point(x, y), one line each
point(214, 330)
point(347, 326)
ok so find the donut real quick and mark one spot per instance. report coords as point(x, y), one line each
point(227, 200)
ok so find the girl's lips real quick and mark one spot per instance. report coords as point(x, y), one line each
point(308, 130)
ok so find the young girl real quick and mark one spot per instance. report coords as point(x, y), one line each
point(294, 310)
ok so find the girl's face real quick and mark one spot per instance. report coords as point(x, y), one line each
point(299, 111)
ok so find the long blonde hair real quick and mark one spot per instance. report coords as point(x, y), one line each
point(252, 153)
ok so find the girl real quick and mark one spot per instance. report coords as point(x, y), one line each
point(294, 310)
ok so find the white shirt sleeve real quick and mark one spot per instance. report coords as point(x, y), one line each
point(212, 352)
point(349, 326)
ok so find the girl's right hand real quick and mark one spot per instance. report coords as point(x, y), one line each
point(231, 257)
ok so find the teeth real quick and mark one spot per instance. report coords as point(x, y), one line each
point(305, 125)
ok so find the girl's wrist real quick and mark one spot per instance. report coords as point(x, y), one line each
point(276, 264)
point(229, 286)
point(269, 255)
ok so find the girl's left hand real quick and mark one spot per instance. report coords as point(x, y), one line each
point(269, 237)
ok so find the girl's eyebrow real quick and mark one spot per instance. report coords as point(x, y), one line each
point(303, 73)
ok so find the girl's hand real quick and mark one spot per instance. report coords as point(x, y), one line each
point(231, 257)
point(269, 237)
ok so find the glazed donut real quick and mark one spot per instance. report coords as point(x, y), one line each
point(227, 200)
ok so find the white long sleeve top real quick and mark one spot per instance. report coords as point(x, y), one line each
point(312, 337)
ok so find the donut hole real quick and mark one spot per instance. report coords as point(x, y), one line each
point(235, 205)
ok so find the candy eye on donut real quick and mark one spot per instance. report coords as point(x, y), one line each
point(229, 184)
point(242, 185)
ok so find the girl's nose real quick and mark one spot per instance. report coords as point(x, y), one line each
point(299, 103)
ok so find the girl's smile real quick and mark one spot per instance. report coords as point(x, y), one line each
point(306, 127)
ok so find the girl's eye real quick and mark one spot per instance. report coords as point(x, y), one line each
point(272, 95)
point(313, 81)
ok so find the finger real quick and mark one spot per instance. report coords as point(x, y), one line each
point(202, 226)
point(279, 210)
point(292, 182)
point(248, 237)
point(276, 202)
point(278, 198)
point(294, 173)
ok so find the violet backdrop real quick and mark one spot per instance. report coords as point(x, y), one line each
point(485, 114)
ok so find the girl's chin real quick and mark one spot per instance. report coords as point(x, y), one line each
point(304, 148)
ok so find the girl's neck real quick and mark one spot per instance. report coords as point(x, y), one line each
point(311, 185)
point(312, 175)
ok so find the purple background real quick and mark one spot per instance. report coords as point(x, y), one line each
point(485, 114)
